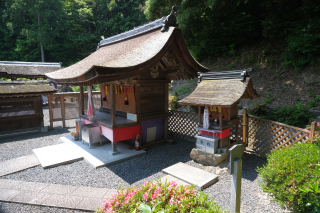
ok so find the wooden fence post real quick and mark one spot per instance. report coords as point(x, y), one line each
point(312, 129)
point(50, 111)
point(245, 126)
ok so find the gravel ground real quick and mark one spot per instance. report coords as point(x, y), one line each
point(148, 167)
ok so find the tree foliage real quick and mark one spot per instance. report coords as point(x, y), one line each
point(68, 29)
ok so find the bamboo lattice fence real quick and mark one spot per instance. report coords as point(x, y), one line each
point(266, 136)
point(182, 124)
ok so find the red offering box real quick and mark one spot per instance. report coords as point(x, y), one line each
point(222, 133)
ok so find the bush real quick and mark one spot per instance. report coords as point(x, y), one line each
point(168, 197)
point(173, 102)
point(291, 175)
point(258, 109)
point(297, 115)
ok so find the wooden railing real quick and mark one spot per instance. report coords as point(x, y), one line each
point(65, 106)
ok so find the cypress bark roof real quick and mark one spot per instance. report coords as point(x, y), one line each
point(27, 89)
point(220, 92)
point(27, 68)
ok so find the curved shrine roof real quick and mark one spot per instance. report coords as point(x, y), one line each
point(130, 56)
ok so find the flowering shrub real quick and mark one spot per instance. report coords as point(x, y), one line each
point(288, 175)
point(173, 102)
point(167, 197)
point(258, 109)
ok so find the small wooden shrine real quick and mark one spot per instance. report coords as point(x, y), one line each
point(133, 70)
point(21, 101)
point(21, 107)
point(220, 93)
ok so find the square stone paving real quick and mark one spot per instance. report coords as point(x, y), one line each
point(31, 197)
point(191, 175)
point(90, 192)
point(63, 201)
point(59, 189)
point(9, 184)
point(90, 204)
point(110, 193)
point(8, 194)
point(31, 186)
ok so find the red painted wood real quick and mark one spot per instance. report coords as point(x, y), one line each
point(116, 135)
point(224, 133)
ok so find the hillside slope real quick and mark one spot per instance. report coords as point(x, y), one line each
point(272, 79)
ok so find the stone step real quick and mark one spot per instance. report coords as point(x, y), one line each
point(191, 175)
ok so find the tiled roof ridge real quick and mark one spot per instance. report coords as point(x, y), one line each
point(23, 63)
point(163, 22)
point(235, 74)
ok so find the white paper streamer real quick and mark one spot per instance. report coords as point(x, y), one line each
point(206, 118)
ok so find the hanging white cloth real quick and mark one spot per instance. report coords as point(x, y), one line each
point(91, 110)
point(206, 118)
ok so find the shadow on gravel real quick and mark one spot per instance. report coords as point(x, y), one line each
point(157, 158)
point(36, 135)
point(250, 164)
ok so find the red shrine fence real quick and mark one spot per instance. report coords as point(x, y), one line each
point(263, 136)
point(65, 106)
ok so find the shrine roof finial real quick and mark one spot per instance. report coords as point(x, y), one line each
point(164, 22)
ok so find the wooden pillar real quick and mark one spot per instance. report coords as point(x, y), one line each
point(113, 111)
point(137, 94)
point(166, 109)
point(245, 125)
point(50, 111)
point(63, 112)
point(220, 117)
point(81, 102)
point(199, 112)
point(312, 130)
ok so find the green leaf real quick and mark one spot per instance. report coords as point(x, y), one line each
point(145, 208)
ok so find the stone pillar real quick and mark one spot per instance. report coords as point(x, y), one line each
point(236, 172)
point(236, 186)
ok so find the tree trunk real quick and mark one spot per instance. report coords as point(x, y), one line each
point(41, 46)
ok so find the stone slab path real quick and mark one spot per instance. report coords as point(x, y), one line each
point(18, 164)
point(55, 195)
point(191, 175)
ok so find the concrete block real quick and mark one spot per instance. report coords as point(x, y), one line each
point(170, 178)
point(18, 164)
point(191, 175)
point(45, 129)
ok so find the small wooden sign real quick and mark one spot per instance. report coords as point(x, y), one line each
point(132, 117)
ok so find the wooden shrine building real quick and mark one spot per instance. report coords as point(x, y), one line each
point(21, 107)
point(21, 101)
point(221, 93)
point(31, 70)
point(133, 70)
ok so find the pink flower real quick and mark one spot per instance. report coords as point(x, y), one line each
point(293, 186)
point(310, 165)
point(261, 104)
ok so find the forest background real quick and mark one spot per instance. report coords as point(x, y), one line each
point(69, 30)
point(280, 39)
